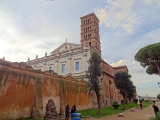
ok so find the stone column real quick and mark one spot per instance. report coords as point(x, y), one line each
point(69, 64)
point(56, 64)
point(35, 65)
point(69, 61)
point(84, 61)
point(44, 64)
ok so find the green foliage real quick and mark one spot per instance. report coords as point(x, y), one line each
point(135, 101)
point(152, 70)
point(156, 117)
point(93, 73)
point(146, 100)
point(145, 104)
point(108, 110)
point(115, 105)
point(123, 83)
point(150, 56)
point(125, 86)
point(158, 96)
point(131, 90)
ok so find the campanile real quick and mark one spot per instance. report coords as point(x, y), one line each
point(90, 32)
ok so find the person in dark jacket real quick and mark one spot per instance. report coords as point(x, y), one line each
point(155, 109)
point(67, 109)
point(73, 109)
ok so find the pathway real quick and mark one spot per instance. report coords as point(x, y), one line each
point(138, 114)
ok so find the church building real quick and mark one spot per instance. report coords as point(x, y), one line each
point(70, 59)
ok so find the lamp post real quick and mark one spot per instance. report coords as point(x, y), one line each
point(159, 84)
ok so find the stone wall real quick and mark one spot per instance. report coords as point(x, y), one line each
point(110, 93)
point(25, 93)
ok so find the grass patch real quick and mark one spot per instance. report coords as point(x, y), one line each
point(146, 104)
point(93, 112)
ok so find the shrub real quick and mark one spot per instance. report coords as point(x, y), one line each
point(156, 117)
point(122, 101)
point(146, 100)
point(135, 101)
point(115, 105)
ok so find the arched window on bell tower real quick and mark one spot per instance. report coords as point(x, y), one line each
point(90, 31)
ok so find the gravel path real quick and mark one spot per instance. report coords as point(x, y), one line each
point(137, 114)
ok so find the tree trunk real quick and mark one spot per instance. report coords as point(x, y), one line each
point(158, 68)
point(99, 103)
point(130, 102)
point(124, 103)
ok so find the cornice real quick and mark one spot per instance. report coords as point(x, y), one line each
point(91, 14)
point(60, 55)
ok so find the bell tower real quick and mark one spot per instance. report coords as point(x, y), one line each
point(90, 32)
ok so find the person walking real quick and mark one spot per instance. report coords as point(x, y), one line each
point(67, 109)
point(141, 105)
point(156, 109)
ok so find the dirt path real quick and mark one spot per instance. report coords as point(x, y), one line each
point(138, 114)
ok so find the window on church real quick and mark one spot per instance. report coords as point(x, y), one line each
point(77, 65)
point(63, 68)
point(89, 35)
point(50, 67)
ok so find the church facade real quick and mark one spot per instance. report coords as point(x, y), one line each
point(67, 59)
point(70, 59)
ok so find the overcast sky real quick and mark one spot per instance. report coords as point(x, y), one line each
point(33, 27)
